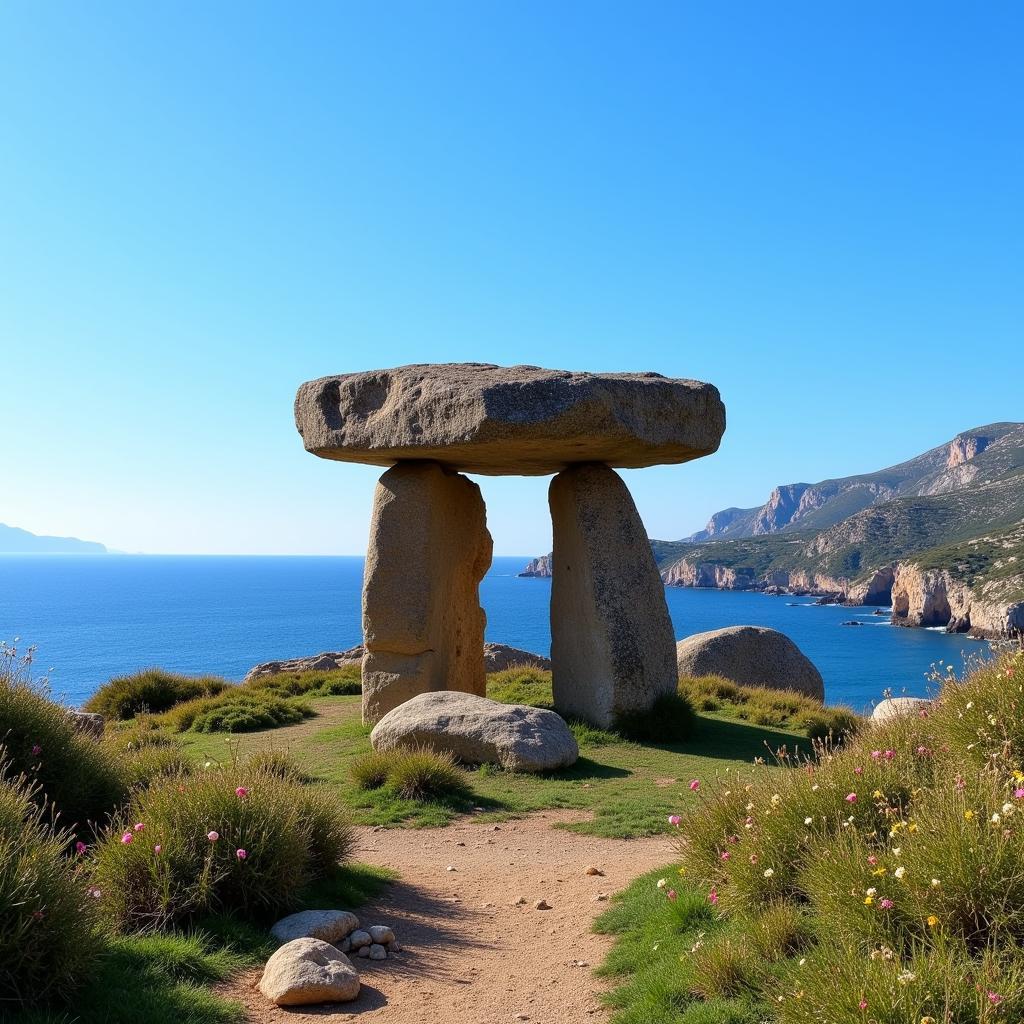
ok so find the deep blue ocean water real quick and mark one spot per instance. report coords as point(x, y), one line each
point(93, 617)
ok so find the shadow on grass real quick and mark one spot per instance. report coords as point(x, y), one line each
point(735, 741)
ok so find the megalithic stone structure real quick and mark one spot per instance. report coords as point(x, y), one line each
point(612, 647)
point(612, 642)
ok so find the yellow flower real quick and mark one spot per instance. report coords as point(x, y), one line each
point(877, 794)
point(932, 920)
point(927, 1020)
point(868, 900)
point(968, 815)
point(1018, 776)
point(682, 871)
point(879, 871)
point(912, 827)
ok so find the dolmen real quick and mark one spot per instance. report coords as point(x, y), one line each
point(612, 644)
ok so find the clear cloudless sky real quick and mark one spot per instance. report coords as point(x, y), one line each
point(816, 206)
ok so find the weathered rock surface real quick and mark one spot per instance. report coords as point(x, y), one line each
point(306, 971)
point(897, 707)
point(612, 645)
point(538, 568)
point(477, 730)
point(423, 626)
point(87, 722)
point(751, 656)
point(498, 657)
point(325, 662)
point(524, 420)
point(327, 925)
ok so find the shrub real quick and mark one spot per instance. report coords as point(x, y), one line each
point(152, 690)
point(278, 764)
point(82, 780)
point(370, 771)
point(725, 966)
point(521, 686)
point(227, 839)
point(833, 725)
point(341, 682)
point(426, 775)
point(237, 710)
point(670, 719)
point(48, 936)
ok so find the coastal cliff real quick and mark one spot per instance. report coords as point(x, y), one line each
point(539, 568)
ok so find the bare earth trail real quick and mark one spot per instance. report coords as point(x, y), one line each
point(474, 948)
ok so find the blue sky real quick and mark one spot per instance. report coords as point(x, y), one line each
point(817, 207)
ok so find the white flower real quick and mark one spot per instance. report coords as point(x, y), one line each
point(900, 871)
point(776, 800)
point(803, 960)
point(871, 892)
point(750, 807)
point(995, 819)
point(662, 882)
point(970, 704)
point(815, 788)
point(906, 977)
point(1007, 809)
point(769, 872)
point(935, 883)
point(807, 821)
point(897, 850)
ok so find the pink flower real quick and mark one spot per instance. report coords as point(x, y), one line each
point(94, 893)
point(671, 894)
point(888, 754)
point(876, 754)
point(851, 798)
point(725, 855)
point(886, 904)
point(694, 785)
point(36, 750)
point(713, 897)
point(157, 849)
point(127, 838)
point(858, 770)
point(994, 998)
point(80, 848)
point(872, 860)
point(923, 751)
point(241, 792)
point(674, 819)
point(241, 854)
point(139, 827)
point(213, 836)
point(1018, 794)
point(960, 783)
point(922, 713)
point(862, 1005)
point(754, 858)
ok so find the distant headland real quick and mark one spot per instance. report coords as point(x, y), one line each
point(15, 541)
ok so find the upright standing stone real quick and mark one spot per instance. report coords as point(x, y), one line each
point(612, 646)
point(422, 620)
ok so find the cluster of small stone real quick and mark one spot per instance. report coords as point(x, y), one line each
point(375, 942)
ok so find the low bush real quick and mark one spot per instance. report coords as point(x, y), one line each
point(226, 839)
point(419, 774)
point(670, 719)
point(277, 763)
point(48, 934)
point(237, 710)
point(152, 690)
point(341, 682)
point(81, 780)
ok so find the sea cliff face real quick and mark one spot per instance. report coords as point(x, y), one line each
point(540, 567)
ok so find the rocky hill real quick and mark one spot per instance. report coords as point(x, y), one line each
point(940, 537)
point(15, 541)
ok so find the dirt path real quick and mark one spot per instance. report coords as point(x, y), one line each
point(475, 948)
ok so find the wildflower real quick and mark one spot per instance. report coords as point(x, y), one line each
point(694, 785)
point(776, 800)
point(897, 850)
point(674, 819)
point(206, 764)
point(1018, 793)
point(872, 860)
point(682, 871)
point(713, 897)
point(815, 788)
point(968, 815)
point(80, 847)
point(1007, 809)
point(36, 750)
point(808, 821)
point(927, 1020)
point(932, 920)
point(888, 755)
point(242, 854)
point(959, 783)
point(662, 882)
point(769, 872)
point(872, 891)
point(753, 858)
point(970, 704)
point(138, 827)
point(878, 794)
point(876, 754)
point(725, 855)
point(900, 871)
point(851, 798)
point(912, 827)
point(994, 998)
point(868, 900)
point(879, 871)
point(995, 819)
point(671, 893)
point(905, 977)
point(94, 892)
point(127, 838)
point(803, 960)
point(242, 792)
point(886, 904)
point(213, 836)
point(157, 849)
point(858, 770)
point(862, 1005)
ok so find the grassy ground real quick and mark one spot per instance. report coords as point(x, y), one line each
point(629, 787)
point(166, 977)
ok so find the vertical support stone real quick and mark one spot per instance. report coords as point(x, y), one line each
point(612, 643)
point(423, 627)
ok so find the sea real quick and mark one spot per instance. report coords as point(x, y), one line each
point(92, 617)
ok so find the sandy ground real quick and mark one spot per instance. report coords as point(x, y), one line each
point(475, 950)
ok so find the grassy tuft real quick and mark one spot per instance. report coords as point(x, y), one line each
point(152, 690)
